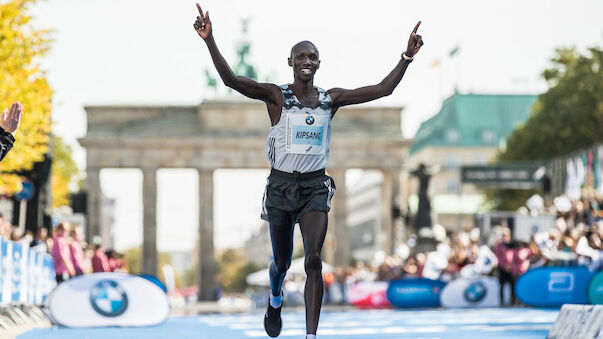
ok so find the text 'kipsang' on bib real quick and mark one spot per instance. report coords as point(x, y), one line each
point(306, 134)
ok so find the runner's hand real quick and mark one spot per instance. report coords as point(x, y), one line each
point(203, 24)
point(9, 120)
point(414, 42)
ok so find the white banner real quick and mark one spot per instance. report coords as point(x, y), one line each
point(108, 299)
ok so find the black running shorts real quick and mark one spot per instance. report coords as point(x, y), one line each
point(297, 193)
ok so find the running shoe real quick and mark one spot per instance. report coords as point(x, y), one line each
point(272, 319)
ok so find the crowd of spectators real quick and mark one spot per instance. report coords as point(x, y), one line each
point(575, 239)
point(71, 255)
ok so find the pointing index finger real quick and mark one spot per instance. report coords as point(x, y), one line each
point(414, 31)
point(200, 10)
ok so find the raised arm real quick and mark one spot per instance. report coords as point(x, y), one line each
point(342, 97)
point(10, 119)
point(269, 93)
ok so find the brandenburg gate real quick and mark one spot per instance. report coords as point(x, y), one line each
point(231, 133)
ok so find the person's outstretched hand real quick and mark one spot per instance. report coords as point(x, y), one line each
point(203, 24)
point(414, 42)
point(10, 119)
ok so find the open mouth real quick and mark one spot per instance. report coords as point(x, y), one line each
point(306, 71)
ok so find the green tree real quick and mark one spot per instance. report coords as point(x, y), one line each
point(64, 171)
point(133, 258)
point(233, 269)
point(567, 117)
point(21, 46)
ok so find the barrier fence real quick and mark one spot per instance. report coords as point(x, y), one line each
point(26, 275)
point(540, 287)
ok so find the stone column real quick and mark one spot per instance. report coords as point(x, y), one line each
point(389, 192)
point(93, 202)
point(207, 268)
point(339, 251)
point(149, 220)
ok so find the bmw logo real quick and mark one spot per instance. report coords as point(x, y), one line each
point(108, 298)
point(475, 292)
point(309, 120)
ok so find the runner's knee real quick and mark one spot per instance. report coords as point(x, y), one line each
point(282, 265)
point(313, 263)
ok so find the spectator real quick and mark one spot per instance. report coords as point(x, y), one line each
point(410, 267)
point(40, 242)
point(9, 123)
point(5, 227)
point(100, 262)
point(536, 259)
point(116, 261)
point(61, 255)
point(504, 251)
point(521, 262)
point(77, 253)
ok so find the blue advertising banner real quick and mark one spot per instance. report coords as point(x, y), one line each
point(33, 276)
point(595, 289)
point(18, 272)
point(2, 271)
point(26, 276)
point(415, 292)
point(554, 286)
point(7, 271)
point(48, 276)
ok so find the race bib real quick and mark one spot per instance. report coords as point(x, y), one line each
point(306, 133)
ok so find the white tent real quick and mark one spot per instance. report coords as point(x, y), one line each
point(261, 278)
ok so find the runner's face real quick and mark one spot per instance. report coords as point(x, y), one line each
point(305, 62)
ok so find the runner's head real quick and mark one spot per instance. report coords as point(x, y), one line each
point(304, 60)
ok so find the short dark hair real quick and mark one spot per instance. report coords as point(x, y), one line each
point(304, 42)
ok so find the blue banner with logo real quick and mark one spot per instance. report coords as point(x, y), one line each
point(2, 268)
point(18, 271)
point(595, 289)
point(48, 277)
point(554, 286)
point(26, 276)
point(415, 292)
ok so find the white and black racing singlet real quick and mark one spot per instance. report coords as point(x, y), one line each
point(300, 140)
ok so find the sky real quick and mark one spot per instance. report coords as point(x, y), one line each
point(146, 52)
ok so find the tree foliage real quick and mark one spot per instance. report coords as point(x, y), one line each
point(133, 258)
point(21, 80)
point(567, 117)
point(233, 270)
point(64, 171)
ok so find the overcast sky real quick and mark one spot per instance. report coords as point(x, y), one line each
point(146, 52)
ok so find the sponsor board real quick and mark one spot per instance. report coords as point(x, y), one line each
point(471, 292)
point(415, 292)
point(26, 276)
point(554, 286)
point(108, 299)
point(595, 289)
point(368, 294)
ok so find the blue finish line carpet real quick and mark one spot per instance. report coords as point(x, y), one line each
point(379, 324)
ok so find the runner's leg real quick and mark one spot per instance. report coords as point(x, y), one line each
point(313, 227)
point(281, 235)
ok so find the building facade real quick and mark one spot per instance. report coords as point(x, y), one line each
point(469, 129)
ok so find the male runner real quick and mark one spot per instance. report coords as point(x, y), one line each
point(298, 190)
point(9, 123)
